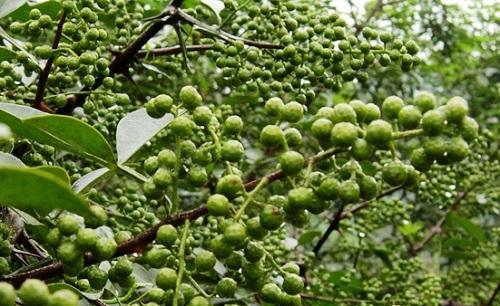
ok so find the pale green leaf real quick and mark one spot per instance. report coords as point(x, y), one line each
point(135, 130)
point(8, 6)
point(7, 159)
point(89, 180)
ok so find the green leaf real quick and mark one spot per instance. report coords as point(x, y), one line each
point(135, 130)
point(472, 229)
point(63, 132)
point(8, 6)
point(75, 135)
point(57, 172)
point(308, 236)
point(410, 229)
point(26, 189)
point(7, 54)
point(7, 159)
point(89, 180)
point(458, 243)
point(19, 45)
point(51, 8)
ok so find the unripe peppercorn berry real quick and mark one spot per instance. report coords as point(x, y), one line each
point(202, 115)
point(68, 225)
point(433, 122)
point(293, 284)
point(182, 126)
point(274, 107)
point(218, 205)
point(271, 218)
point(379, 132)
point(391, 107)
point(205, 261)
point(166, 235)
point(233, 125)
point(232, 150)
point(7, 294)
point(394, 173)
point(291, 162)
point(409, 117)
point(272, 135)
point(321, 128)
point(292, 112)
point(349, 191)
point(344, 134)
point(166, 158)
point(456, 109)
point(469, 129)
point(328, 189)
point(372, 112)
point(420, 160)
point(343, 112)
point(271, 293)
point(190, 97)
point(34, 292)
point(235, 234)
point(166, 278)
point(226, 287)
point(229, 185)
point(425, 101)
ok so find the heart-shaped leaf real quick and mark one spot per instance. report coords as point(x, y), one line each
point(26, 188)
point(135, 130)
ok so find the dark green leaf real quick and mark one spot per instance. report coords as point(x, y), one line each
point(63, 132)
point(7, 54)
point(50, 8)
point(458, 243)
point(472, 229)
point(77, 136)
point(26, 189)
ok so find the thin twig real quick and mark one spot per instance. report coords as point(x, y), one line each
point(378, 6)
point(341, 214)
point(438, 227)
point(44, 76)
point(493, 296)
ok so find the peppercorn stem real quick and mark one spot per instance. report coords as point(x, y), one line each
point(409, 133)
point(197, 286)
point(182, 263)
point(273, 262)
point(249, 198)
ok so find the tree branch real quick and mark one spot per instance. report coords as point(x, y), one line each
point(341, 214)
point(136, 243)
point(122, 60)
point(44, 76)
point(493, 296)
point(173, 50)
point(378, 6)
point(438, 227)
point(171, 15)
